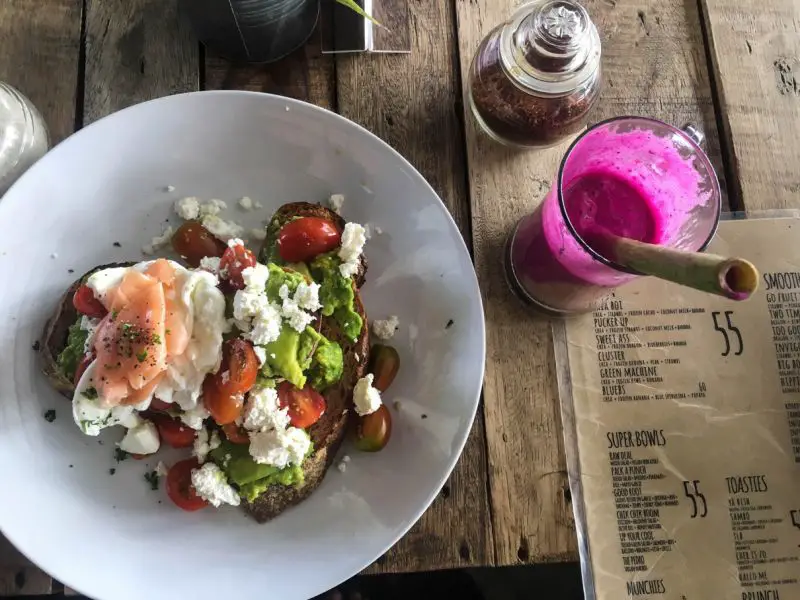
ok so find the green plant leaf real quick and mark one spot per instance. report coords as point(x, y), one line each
point(351, 4)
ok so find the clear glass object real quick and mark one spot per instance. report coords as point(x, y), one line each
point(535, 79)
point(23, 135)
point(631, 176)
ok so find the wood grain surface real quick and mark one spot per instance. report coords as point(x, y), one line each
point(413, 102)
point(755, 52)
point(136, 50)
point(654, 65)
point(34, 46)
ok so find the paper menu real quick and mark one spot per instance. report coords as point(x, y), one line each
point(683, 432)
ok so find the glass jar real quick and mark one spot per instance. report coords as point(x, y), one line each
point(23, 135)
point(535, 78)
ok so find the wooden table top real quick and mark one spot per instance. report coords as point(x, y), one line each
point(730, 66)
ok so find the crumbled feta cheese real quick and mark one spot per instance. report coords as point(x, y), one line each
point(201, 445)
point(187, 208)
point(255, 278)
point(214, 442)
point(346, 458)
point(246, 203)
point(213, 207)
point(211, 485)
point(368, 231)
point(161, 469)
point(377, 230)
point(385, 328)
point(336, 201)
point(159, 241)
point(366, 398)
point(255, 315)
point(266, 324)
point(298, 318)
point(142, 439)
point(353, 240)
point(169, 188)
point(264, 413)
point(210, 264)
point(261, 354)
point(307, 296)
point(342, 466)
point(222, 229)
point(258, 234)
point(280, 447)
point(233, 242)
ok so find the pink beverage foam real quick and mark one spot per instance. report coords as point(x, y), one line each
point(633, 184)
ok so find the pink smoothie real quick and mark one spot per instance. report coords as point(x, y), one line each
point(631, 183)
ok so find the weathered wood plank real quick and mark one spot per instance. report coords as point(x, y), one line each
point(413, 102)
point(136, 50)
point(38, 39)
point(18, 576)
point(306, 74)
point(654, 64)
point(755, 55)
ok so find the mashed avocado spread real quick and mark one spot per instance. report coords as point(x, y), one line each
point(72, 354)
point(336, 294)
point(252, 478)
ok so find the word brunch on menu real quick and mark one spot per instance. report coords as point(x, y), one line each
point(783, 301)
point(630, 350)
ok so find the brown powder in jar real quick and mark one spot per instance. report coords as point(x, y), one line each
point(519, 117)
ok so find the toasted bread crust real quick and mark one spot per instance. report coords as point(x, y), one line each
point(307, 209)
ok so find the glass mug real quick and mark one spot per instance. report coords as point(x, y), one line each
point(631, 176)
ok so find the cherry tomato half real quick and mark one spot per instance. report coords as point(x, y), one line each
point(159, 405)
point(193, 242)
point(384, 362)
point(239, 368)
point(303, 239)
point(179, 486)
point(235, 260)
point(235, 434)
point(173, 431)
point(374, 430)
point(85, 303)
point(224, 408)
point(306, 406)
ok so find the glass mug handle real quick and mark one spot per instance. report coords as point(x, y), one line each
point(695, 133)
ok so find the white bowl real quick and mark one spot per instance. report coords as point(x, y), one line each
point(111, 536)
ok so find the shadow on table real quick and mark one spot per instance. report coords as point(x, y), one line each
point(541, 582)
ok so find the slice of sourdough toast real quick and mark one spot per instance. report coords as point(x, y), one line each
point(327, 433)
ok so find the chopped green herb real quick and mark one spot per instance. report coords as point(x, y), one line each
point(111, 471)
point(142, 356)
point(120, 454)
point(114, 315)
point(50, 415)
point(152, 478)
point(156, 338)
point(90, 393)
point(167, 331)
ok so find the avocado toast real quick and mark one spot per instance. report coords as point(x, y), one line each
point(252, 362)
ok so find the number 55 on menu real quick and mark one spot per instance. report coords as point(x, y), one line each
point(682, 419)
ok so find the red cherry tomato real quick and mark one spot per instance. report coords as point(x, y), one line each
point(82, 366)
point(173, 431)
point(374, 430)
point(159, 405)
point(235, 434)
point(193, 242)
point(306, 406)
point(179, 486)
point(303, 239)
point(224, 408)
point(86, 304)
point(239, 368)
point(235, 260)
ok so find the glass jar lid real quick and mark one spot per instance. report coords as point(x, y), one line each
point(550, 46)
